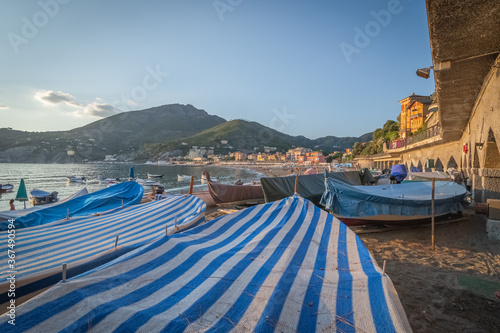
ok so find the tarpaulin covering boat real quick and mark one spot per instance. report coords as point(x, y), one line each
point(13, 214)
point(127, 193)
point(407, 201)
point(310, 187)
point(223, 193)
point(86, 242)
point(283, 266)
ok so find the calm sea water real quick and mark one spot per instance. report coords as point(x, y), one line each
point(52, 177)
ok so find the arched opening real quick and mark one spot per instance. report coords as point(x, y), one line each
point(451, 163)
point(438, 166)
point(491, 155)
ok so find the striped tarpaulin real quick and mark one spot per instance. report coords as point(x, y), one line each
point(283, 266)
point(86, 242)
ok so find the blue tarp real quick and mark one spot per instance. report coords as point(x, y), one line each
point(408, 199)
point(284, 266)
point(96, 202)
point(399, 171)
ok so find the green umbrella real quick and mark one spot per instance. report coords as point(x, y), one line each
point(21, 193)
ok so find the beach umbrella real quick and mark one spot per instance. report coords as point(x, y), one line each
point(131, 173)
point(22, 195)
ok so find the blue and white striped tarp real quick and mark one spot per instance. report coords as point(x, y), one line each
point(86, 242)
point(283, 266)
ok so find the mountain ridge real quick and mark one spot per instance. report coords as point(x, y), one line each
point(150, 133)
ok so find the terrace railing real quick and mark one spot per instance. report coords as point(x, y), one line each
point(429, 133)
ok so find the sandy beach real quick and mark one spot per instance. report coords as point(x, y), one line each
point(451, 289)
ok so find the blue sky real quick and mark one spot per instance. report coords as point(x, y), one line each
point(312, 68)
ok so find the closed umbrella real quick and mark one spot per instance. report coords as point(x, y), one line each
point(21, 193)
point(131, 173)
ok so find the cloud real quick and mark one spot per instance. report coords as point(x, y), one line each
point(56, 97)
point(100, 109)
point(3, 106)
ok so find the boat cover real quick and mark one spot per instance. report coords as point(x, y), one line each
point(223, 193)
point(84, 242)
point(399, 172)
point(96, 202)
point(310, 187)
point(13, 214)
point(407, 199)
point(282, 266)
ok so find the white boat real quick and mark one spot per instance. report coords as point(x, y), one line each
point(76, 179)
point(39, 197)
point(6, 188)
point(147, 182)
point(182, 178)
point(113, 182)
point(150, 175)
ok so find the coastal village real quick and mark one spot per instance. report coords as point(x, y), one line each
point(218, 230)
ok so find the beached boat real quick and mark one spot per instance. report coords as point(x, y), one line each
point(182, 178)
point(87, 242)
point(150, 175)
point(122, 195)
point(14, 214)
point(6, 188)
point(391, 204)
point(310, 187)
point(285, 266)
point(224, 194)
point(39, 197)
point(76, 179)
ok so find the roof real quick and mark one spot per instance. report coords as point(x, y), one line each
point(465, 33)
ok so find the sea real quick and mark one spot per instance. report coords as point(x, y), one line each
point(52, 177)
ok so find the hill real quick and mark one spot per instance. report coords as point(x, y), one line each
point(120, 134)
point(248, 137)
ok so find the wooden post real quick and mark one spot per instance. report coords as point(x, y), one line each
point(122, 203)
point(64, 272)
point(383, 269)
point(296, 183)
point(116, 240)
point(191, 185)
point(432, 211)
point(67, 214)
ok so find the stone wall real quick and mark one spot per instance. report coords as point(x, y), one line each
point(481, 162)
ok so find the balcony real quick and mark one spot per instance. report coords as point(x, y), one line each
point(402, 143)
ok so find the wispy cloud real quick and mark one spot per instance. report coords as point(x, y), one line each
point(56, 97)
point(100, 109)
point(3, 106)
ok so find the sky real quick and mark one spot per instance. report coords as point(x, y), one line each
point(312, 68)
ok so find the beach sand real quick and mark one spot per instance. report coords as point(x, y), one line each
point(451, 289)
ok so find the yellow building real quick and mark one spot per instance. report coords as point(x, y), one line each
point(414, 110)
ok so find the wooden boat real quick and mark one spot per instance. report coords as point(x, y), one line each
point(39, 197)
point(6, 188)
point(76, 179)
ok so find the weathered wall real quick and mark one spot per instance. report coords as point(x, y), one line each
point(482, 160)
point(445, 156)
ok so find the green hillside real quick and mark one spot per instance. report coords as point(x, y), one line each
point(249, 137)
